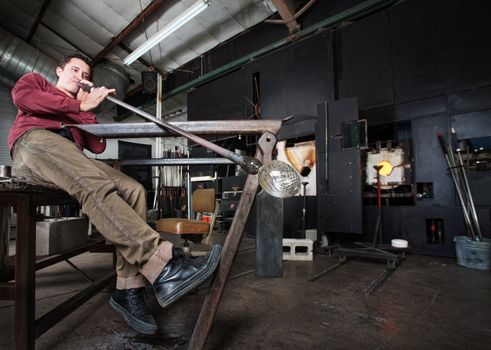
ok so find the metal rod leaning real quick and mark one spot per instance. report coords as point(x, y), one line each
point(461, 176)
point(470, 207)
point(469, 196)
point(453, 172)
point(456, 171)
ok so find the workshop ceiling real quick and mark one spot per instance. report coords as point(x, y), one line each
point(58, 27)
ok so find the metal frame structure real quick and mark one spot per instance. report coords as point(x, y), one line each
point(25, 200)
point(268, 129)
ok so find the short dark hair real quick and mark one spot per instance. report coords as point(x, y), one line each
point(68, 57)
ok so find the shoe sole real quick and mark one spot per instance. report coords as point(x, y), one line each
point(195, 280)
point(133, 322)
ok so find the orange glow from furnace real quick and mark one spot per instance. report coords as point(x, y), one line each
point(386, 168)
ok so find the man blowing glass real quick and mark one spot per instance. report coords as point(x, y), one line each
point(49, 154)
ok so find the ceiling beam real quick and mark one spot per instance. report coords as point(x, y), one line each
point(286, 14)
point(35, 25)
point(286, 9)
point(148, 11)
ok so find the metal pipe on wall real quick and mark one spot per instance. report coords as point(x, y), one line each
point(18, 58)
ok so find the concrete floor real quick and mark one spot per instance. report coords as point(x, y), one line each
point(428, 303)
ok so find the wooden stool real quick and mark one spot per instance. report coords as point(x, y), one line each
point(203, 200)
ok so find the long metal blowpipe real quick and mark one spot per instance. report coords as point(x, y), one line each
point(465, 182)
point(457, 183)
point(250, 164)
point(471, 204)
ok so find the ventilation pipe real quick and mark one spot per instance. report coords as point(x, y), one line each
point(112, 76)
point(18, 58)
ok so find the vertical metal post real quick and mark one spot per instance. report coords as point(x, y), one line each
point(304, 209)
point(189, 190)
point(158, 115)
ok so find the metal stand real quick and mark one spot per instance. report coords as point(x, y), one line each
point(393, 256)
point(230, 248)
point(304, 209)
point(268, 130)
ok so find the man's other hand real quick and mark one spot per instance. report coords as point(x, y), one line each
point(92, 99)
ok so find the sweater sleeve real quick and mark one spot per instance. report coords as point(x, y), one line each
point(31, 94)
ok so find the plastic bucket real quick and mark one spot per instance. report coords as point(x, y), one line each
point(473, 254)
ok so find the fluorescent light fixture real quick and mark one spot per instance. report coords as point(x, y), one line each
point(170, 28)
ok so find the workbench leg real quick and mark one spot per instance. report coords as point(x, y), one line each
point(4, 241)
point(25, 275)
point(229, 252)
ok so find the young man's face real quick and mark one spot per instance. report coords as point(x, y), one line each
point(68, 76)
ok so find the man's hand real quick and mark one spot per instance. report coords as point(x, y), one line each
point(92, 99)
point(82, 94)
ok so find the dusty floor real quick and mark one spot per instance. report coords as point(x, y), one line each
point(428, 303)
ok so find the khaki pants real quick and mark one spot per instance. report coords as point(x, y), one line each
point(114, 202)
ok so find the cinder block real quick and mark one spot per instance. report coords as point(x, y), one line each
point(56, 235)
point(297, 249)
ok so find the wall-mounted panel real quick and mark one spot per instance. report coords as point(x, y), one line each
point(429, 160)
point(405, 111)
point(415, 32)
point(363, 61)
point(469, 100)
point(295, 79)
point(472, 125)
point(462, 33)
point(344, 189)
point(440, 46)
point(220, 99)
point(410, 223)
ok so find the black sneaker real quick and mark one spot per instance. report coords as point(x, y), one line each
point(130, 303)
point(193, 260)
point(182, 274)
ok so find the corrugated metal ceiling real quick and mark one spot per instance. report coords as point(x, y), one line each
point(89, 26)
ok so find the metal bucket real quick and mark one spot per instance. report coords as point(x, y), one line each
point(473, 254)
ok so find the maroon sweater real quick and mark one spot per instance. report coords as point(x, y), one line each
point(43, 106)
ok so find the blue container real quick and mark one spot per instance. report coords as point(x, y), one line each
point(473, 254)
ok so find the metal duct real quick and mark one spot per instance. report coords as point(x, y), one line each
point(18, 58)
point(112, 76)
